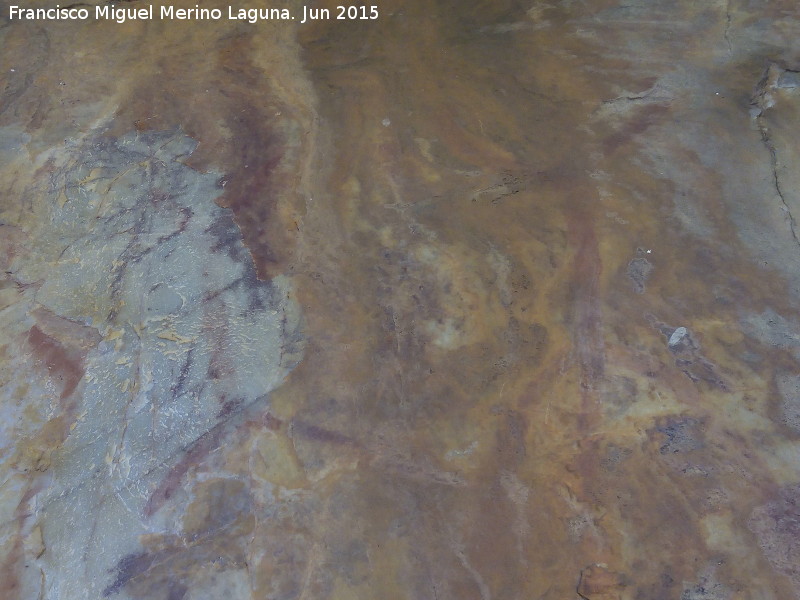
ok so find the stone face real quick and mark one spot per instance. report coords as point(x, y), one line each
point(475, 300)
point(150, 324)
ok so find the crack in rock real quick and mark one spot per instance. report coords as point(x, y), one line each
point(726, 32)
point(763, 100)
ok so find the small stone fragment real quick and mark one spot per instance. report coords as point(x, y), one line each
point(677, 337)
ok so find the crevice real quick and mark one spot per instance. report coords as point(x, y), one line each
point(726, 33)
point(773, 155)
point(763, 100)
point(641, 96)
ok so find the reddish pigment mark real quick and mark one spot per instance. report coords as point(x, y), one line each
point(588, 267)
point(10, 588)
point(194, 454)
point(252, 185)
point(587, 315)
point(215, 327)
point(129, 567)
point(271, 422)
point(318, 434)
point(64, 364)
point(640, 122)
point(229, 407)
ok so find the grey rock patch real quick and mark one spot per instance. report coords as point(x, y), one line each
point(789, 389)
point(706, 588)
point(682, 434)
point(12, 141)
point(639, 270)
point(133, 243)
point(777, 527)
point(773, 329)
point(789, 80)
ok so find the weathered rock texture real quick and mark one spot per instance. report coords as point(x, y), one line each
point(480, 300)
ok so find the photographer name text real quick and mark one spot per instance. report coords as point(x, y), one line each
point(119, 14)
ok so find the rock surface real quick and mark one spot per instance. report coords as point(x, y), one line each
point(477, 300)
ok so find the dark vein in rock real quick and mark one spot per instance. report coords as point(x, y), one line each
point(773, 154)
point(726, 33)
